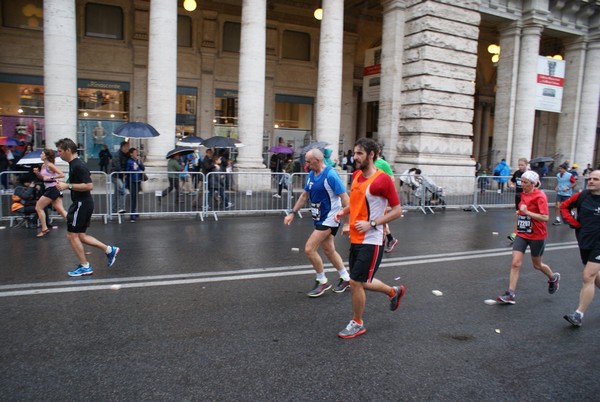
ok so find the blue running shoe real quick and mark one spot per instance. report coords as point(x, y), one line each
point(81, 271)
point(112, 256)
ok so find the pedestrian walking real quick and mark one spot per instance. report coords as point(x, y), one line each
point(81, 210)
point(325, 191)
point(564, 189)
point(532, 215)
point(587, 230)
point(371, 192)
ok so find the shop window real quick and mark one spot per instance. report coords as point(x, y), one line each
point(102, 21)
point(184, 31)
point(96, 103)
point(185, 117)
point(293, 112)
point(25, 14)
point(231, 36)
point(296, 45)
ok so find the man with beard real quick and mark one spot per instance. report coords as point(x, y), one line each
point(372, 190)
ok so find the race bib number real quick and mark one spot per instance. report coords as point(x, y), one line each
point(315, 210)
point(524, 224)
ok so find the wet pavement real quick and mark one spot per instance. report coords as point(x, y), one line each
point(211, 310)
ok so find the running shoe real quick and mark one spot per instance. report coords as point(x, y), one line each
point(553, 283)
point(511, 237)
point(391, 245)
point(574, 319)
point(506, 298)
point(352, 330)
point(229, 205)
point(395, 300)
point(276, 196)
point(112, 256)
point(341, 286)
point(81, 271)
point(319, 289)
point(556, 222)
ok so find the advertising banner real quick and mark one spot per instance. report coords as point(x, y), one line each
point(372, 74)
point(550, 83)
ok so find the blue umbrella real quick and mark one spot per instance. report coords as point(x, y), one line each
point(8, 141)
point(33, 158)
point(136, 129)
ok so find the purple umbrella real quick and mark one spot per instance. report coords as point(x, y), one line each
point(281, 149)
point(8, 141)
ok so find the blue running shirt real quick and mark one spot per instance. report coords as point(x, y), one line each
point(324, 191)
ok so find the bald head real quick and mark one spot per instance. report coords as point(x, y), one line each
point(315, 153)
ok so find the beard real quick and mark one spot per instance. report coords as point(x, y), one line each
point(363, 165)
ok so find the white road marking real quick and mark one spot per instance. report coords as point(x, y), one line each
point(27, 289)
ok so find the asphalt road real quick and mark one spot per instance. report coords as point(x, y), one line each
point(218, 311)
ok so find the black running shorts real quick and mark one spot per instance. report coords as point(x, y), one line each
point(364, 261)
point(80, 216)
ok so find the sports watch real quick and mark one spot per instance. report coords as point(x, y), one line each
point(373, 224)
point(70, 186)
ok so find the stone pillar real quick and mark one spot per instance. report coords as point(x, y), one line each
point(348, 124)
point(207, 88)
point(506, 87)
point(329, 93)
point(477, 132)
point(252, 84)
point(436, 127)
point(60, 71)
point(588, 112)
point(392, 55)
point(162, 79)
point(571, 101)
point(485, 136)
point(525, 100)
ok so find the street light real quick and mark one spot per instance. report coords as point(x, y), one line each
point(318, 14)
point(189, 5)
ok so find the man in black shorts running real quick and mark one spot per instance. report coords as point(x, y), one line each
point(80, 211)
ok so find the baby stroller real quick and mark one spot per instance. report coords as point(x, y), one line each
point(429, 193)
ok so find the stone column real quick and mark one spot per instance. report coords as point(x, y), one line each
point(477, 132)
point(162, 79)
point(588, 112)
point(566, 134)
point(485, 136)
point(525, 99)
point(207, 88)
point(329, 93)
point(392, 55)
point(60, 71)
point(436, 126)
point(252, 84)
point(506, 86)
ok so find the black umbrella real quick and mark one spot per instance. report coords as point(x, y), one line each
point(136, 129)
point(220, 142)
point(179, 151)
point(541, 159)
point(190, 141)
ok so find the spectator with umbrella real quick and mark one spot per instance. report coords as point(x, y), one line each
point(119, 165)
point(136, 166)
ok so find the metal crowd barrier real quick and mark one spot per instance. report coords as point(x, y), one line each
point(241, 193)
point(99, 193)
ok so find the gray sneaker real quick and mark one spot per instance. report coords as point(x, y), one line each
point(395, 301)
point(553, 283)
point(341, 286)
point(352, 330)
point(506, 298)
point(319, 289)
point(574, 319)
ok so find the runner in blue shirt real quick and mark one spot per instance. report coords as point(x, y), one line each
point(327, 195)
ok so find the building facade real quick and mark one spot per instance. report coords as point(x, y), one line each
point(416, 75)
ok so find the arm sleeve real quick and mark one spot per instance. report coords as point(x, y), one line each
point(565, 210)
point(383, 186)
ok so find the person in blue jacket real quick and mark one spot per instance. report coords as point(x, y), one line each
point(501, 174)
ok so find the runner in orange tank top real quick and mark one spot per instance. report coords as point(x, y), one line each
point(372, 190)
